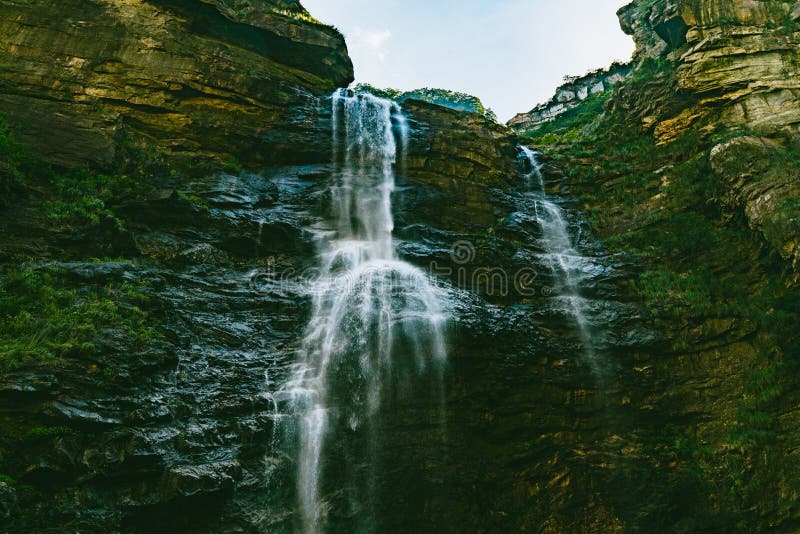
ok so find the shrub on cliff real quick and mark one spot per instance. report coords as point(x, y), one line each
point(43, 317)
point(12, 159)
point(72, 197)
point(441, 97)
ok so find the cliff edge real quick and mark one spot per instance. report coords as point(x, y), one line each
point(200, 81)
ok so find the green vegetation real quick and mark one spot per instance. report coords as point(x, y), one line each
point(44, 318)
point(571, 124)
point(77, 197)
point(297, 14)
point(232, 165)
point(15, 164)
point(701, 267)
point(442, 97)
point(82, 197)
point(47, 432)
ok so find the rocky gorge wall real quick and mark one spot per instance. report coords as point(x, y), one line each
point(736, 62)
point(160, 412)
point(691, 168)
point(198, 81)
point(736, 81)
point(145, 403)
point(727, 72)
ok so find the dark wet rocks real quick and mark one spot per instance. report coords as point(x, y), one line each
point(207, 479)
point(8, 502)
point(186, 424)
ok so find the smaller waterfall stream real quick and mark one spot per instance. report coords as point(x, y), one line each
point(566, 264)
point(375, 319)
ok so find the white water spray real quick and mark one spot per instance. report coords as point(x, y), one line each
point(373, 315)
point(563, 260)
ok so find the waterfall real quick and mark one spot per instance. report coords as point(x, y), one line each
point(566, 264)
point(374, 317)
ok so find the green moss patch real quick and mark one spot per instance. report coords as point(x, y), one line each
point(44, 318)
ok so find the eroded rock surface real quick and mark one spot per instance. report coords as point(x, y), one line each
point(735, 74)
point(571, 94)
point(190, 80)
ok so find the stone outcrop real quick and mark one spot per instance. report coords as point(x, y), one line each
point(657, 27)
point(737, 62)
point(571, 94)
point(726, 69)
point(201, 81)
point(461, 155)
point(758, 182)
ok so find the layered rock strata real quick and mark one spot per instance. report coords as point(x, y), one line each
point(198, 81)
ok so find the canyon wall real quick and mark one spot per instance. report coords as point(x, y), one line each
point(736, 82)
point(206, 81)
point(691, 169)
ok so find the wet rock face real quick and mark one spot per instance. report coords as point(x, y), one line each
point(193, 80)
point(460, 156)
point(183, 434)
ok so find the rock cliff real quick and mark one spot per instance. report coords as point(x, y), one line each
point(732, 70)
point(461, 155)
point(691, 167)
point(152, 406)
point(158, 408)
point(91, 81)
point(736, 62)
point(571, 94)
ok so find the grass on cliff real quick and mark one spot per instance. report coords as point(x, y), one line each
point(442, 97)
point(44, 317)
point(699, 264)
point(76, 197)
point(15, 165)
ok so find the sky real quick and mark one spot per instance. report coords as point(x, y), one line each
point(512, 54)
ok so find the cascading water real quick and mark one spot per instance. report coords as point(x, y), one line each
point(375, 318)
point(564, 261)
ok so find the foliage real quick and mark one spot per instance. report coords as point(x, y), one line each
point(570, 125)
point(390, 93)
point(82, 197)
point(442, 97)
point(299, 14)
point(649, 69)
point(77, 196)
point(671, 293)
point(47, 432)
point(14, 163)
point(44, 318)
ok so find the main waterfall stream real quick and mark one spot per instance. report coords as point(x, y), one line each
point(376, 320)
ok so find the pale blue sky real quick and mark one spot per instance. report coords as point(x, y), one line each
point(510, 53)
